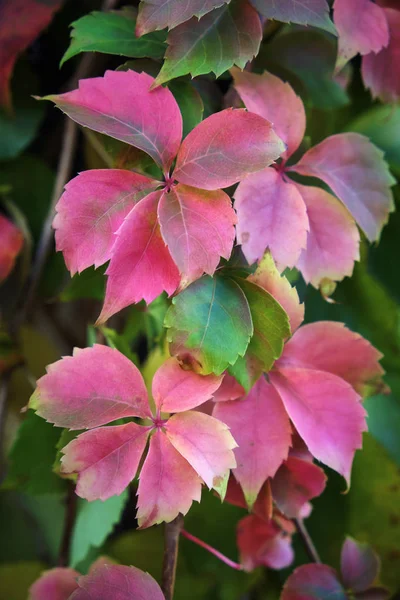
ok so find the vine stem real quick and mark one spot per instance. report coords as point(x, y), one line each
point(69, 522)
point(222, 557)
point(171, 547)
point(307, 541)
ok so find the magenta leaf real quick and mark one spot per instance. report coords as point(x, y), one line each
point(167, 484)
point(229, 389)
point(225, 148)
point(105, 459)
point(378, 69)
point(359, 565)
point(105, 104)
point(56, 584)
point(332, 241)
point(11, 245)
point(198, 228)
point(205, 442)
point(296, 482)
point(271, 98)
point(329, 346)
point(267, 208)
point(141, 266)
point(117, 582)
point(303, 12)
point(313, 582)
point(92, 208)
point(362, 28)
point(93, 387)
point(326, 412)
point(176, 389)
point(262, 543)
point(268, 277)
point(356, 172)
point(261, 428)
point(159, 14)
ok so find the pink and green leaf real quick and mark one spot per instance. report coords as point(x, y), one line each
point(159, 14)
point(306, 12)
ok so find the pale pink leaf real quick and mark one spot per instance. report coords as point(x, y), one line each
point(121, 105)
point(225, 148)
point(326, 412)
point(92, 208)
point(141, 267)
point(91, 388)
point(176, 388)
point(205, 442)
point(105, 459)
point(380, 71)
point(359, 565)
point(262, 543)
point(296, 482)
point(167, 485)
point(356, 172)
point(117, 582)
point(313, 582)
point(159, 14)
point(304, 12)
point(330, 346)
point(11, 244)
point(198, 227)
point(230, 389)
point(332, 240)
point(271, 98)
point(56, 584)
point(271, 214)
point(268, 277)
point(362, 28)
point(261, 428)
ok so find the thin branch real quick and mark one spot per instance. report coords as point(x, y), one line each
point(171, 546)
point(70, 514)
point(307, 541)
point(222, 557)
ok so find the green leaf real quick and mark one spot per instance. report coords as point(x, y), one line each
point(113, 33)
point(94, 523)
point(17, 578)
point(32, 456)
point(190, 104)
point(384, 418)
point(88, 284)
point(120, 342)
point(227, 36)
point(210, 324)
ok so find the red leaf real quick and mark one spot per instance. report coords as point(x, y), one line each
point(359, 565)
point(262, 507)
point(313, 582)
point(225, 148)
point(11, 244)
point(263, 543)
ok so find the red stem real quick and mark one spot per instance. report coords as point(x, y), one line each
point(212, 550)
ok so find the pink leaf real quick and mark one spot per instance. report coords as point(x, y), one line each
point(205, 442)
point(332, 241)
point(362, 28)
point(230, 389)
point(159, 14)
point(271, 98)
point(11, 244)
point(306, 12)
point(176, 389)
point(357, 173)
point(225, 148)
point(261, 427)
point(296, 482)
point(326, 412)
point(359, 565)
point(198, 228)
point(331, 347)
point(167, 485)
point(141, 266)
point(105, 459)
point(261, 543)
point(121, 105)
point(93, 387)
point(56, 584)
point(117, 582)
point(92, 208)
point(268, 209)
point(268, 277)
point(313, 582)
point(378, 69)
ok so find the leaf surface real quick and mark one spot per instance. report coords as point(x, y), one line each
point(359, 565)
point(11, 244)
point(225, 148)
point(314, 582)
point(159, 14)
point(198, 228)
point(302, 12)
point(55, 584)
point(261, 543)
point(356, 172)
point(93, 387)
